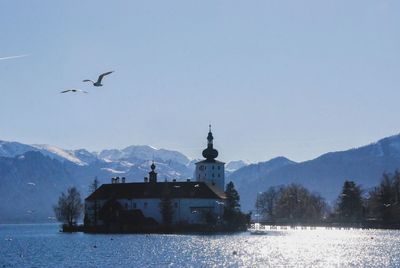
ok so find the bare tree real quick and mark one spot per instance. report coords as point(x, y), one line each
point(266, 202)
point(69, 207)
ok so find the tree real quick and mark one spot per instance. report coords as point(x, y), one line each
point(232, 197)
point(266, 201)
point(233, 217)
point(94, 185)
point(93, 188)
point(166, 208)
point(69, 207)
point(350, 203)
point(296, 204)
point(384, 200)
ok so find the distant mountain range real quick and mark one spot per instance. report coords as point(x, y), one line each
point(325, 174)
point(33, 176)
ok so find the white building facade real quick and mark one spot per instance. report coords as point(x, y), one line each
point(193, 202)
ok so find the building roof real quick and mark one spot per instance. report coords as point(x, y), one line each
point(143, 190)
point(210, 161)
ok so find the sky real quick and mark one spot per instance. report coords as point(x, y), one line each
point(274, 78)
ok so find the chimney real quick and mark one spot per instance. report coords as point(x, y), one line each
point(117, 179)
point(146, 179)
point(174, 180)
point(123, 179)
point(112, 180)
point(188, 180)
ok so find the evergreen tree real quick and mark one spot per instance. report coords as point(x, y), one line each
point(350, 203)
point(384, 200)
point(94, 185)
point(233, 217)
point(232, 198)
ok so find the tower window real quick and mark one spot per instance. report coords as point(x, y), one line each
point(219, 175)
point(213, 175)
point(219, 167)
point(212, 167)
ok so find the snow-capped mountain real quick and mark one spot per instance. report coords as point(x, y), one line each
point(11, 148)
point(235, 165)
point(60, 154)
point(144, 152)
point(32, 176)
point(79, 157)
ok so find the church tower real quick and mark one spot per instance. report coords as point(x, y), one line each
point(210, 170)
point(153, 174)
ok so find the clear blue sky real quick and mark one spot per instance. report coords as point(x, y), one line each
point(292, 78)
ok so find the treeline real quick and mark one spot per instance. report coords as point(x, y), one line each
point(290, 204)
point(355, 206)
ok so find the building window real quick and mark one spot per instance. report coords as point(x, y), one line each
point(126, 205)
point(133, 205)
point(219, 167)
point(176, 204)
point(145, 205)
point(213, 175)
point(219, 175)
point(212, 167)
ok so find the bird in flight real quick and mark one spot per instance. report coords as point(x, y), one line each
point(73, 90)
point(98, 82)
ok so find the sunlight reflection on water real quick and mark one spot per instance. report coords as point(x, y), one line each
point(44, 246)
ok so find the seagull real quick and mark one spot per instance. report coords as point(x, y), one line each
point(98, 82)
point(387, 205)
point(74, 90)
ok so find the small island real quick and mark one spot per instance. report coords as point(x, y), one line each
point(173, 206)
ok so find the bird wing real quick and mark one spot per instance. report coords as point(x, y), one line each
point(88, 80)
point(74, 90)
point(102, 75)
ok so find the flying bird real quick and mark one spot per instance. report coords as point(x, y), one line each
point(98, 82)
point(74, 90)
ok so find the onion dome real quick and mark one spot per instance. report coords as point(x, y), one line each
point(210, 153)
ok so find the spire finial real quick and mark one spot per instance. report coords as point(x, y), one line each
point(209, 127)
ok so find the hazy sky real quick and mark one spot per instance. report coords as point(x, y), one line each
point(292, 78)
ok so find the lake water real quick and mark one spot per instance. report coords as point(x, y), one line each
point(44, 246)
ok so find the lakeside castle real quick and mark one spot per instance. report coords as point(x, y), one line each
point(121, 206)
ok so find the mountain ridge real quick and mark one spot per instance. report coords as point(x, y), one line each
point(24, 167)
